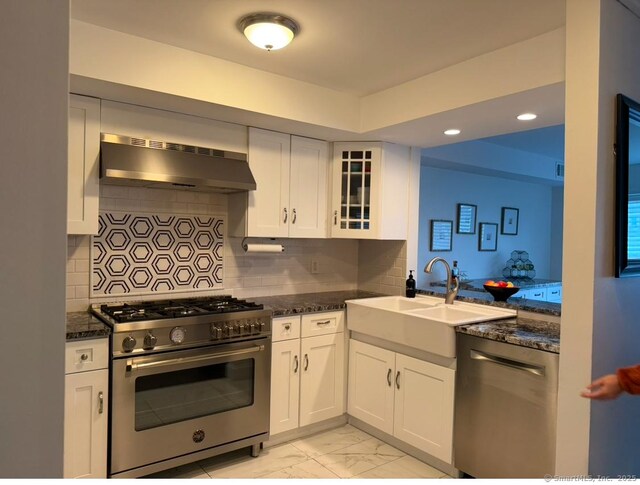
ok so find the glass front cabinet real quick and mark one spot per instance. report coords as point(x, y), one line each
point(370, 187)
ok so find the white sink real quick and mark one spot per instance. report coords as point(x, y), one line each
point(425, 323)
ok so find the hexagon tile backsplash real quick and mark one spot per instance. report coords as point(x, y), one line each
point(139, 253)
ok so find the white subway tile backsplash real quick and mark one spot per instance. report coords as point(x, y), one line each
point(245, 275)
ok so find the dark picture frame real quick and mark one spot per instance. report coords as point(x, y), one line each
point(466, 218)
point(487, 236)
point(509, 221)
point(627, 260)
point(441, 235)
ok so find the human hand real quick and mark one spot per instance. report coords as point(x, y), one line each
point(604, 388)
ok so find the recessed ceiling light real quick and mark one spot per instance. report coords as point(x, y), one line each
point(268, 31)
point(527, 116)
point(452, 132)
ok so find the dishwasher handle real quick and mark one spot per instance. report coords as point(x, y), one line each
point(514, 364)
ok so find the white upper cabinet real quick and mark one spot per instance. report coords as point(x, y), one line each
point(291, 195)
point(83, 189)
point(370, 190)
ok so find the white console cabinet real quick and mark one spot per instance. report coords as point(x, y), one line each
point(85, 408)
point(402, 396)
point(307, 370)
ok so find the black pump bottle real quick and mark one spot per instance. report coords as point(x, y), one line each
point(411, 286)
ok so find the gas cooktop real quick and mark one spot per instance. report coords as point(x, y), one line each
point(170, 309)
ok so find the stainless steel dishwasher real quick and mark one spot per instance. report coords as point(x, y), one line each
point(505, 410)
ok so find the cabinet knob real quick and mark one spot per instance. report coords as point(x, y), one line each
point(84, 357)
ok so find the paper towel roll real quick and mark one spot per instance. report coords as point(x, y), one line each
point(263, 248)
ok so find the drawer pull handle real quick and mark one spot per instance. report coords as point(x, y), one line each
point(100, 402)
point(84, 357)
point(514, 364)
point(296, 364)
point(398, 380)
point(389, 377)
point(326, 322)
point(293, 219)
point(335, 218)
point(286, 216)
point(306, 361)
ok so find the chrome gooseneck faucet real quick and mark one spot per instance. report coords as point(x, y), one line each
point(451, 293)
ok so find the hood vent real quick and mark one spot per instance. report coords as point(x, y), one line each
point(140, 162)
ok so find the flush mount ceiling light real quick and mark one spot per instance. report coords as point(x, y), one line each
point(527, 116)
point(268, 31)
point(452, 132)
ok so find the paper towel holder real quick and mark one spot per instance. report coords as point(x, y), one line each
point(268, 248)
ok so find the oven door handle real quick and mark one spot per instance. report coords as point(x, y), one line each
point(131, 365)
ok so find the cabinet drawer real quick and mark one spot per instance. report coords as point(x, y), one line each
point(86, 355)
point(285, 328)
point(322, 323)
point(554, 294)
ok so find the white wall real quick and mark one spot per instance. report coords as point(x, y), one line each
point(33, 156)
point(440, 192)
point(600, 330)
point(614, 440)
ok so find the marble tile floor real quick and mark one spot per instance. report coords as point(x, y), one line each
point(345, 452)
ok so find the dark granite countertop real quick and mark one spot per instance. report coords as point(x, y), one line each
point(524, 283)
point(311, 302)
point(524, 332)
point(484, 298)
point(83, 325)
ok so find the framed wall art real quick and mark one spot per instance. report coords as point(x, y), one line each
point(488, 236)
point(441, 235)
point(466, 219)
point(510, 217)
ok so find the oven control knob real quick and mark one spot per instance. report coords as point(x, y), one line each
point(253, 328)
point(128, 344)
point(216, 333)
point(242, 329)
point(262, 326)
point(226, 331)
point(177, 335)
point(150, 341)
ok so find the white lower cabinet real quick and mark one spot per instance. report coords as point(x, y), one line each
point(307, 370)
point(85, 409)
point(405, 397)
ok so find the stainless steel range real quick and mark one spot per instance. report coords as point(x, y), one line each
point(190, 379)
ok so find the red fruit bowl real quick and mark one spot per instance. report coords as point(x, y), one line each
point(501, 293)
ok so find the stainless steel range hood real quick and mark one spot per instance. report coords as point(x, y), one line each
point(127, 160)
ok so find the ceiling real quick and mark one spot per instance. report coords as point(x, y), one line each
point(548, 142)
point(354, 46)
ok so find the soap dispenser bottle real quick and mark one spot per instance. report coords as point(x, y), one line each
point(411, 286)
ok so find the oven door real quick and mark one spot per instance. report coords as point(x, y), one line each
point(179, 402)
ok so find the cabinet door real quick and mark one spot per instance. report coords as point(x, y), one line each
point(85, 424)
point(268, 209)
point(308, 188)
point(83, 165)
point(322, 379)
point(423, 415)
point(355, 195)
point(285, 385)
point(371, 386)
